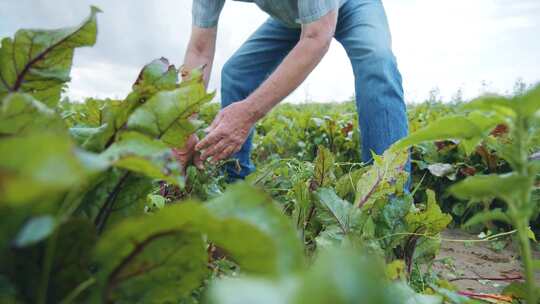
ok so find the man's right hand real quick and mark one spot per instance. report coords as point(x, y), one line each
point(187, 155)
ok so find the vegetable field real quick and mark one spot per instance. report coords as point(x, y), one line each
point(95, 208)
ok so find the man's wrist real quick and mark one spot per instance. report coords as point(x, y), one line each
point(254, 110)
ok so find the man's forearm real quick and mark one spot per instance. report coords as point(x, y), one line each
point(288, 76)
point(200, 51)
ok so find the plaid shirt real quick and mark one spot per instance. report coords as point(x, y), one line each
point(292, 13)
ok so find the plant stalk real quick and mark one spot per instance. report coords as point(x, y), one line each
point(526, 256)
point(50, 249)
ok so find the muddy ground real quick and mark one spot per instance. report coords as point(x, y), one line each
point(465, 264)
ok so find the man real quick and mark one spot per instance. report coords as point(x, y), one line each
point(279, 56)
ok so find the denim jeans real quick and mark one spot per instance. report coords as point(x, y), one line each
point(363, 31)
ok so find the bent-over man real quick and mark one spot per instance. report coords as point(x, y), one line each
point(279, 56)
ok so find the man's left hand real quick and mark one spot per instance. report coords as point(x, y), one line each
point(228, 131)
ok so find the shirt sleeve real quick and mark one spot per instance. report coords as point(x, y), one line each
point(206, 12)
point(312, 10)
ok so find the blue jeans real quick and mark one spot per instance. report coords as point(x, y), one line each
point(363, 31)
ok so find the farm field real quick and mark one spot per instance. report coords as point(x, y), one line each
point(95, 208)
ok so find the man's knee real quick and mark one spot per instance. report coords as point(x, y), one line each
point(381, 54)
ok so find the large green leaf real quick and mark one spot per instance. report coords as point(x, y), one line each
point(499, 104)
point(21, 113)
point(386, 176)
point(525, 105)
point(115, 196)
point(167, 114)
point(253, 206)
point(481, 187)
point(167, 247)
point(469, 129)
point(333, 209)
point(389, 219)
point(248, 290)
point(452, 127)
point(73, 256)
point(39, 61)
point(40, 164)
point(337, 276)
point(152, 259)
point(70, 265)
point(138, 153)
point(324, 167)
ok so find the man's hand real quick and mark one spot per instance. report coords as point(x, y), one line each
point(187, 154)
point(228, 131)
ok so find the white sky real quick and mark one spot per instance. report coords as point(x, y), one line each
point(475, 45)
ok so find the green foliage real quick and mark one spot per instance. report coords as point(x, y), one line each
point(431, 220)
point(28, 174)
point(166, 114)
point(255, 207)
point(21, 113)
point(336, 276)
point(38, 62)
point(145, 249)
point(514, 188)
point(95, 207)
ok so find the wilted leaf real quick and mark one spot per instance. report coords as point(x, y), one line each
point(38, 62)
point(441, 170)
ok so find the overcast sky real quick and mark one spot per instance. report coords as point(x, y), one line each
point(475, 45)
